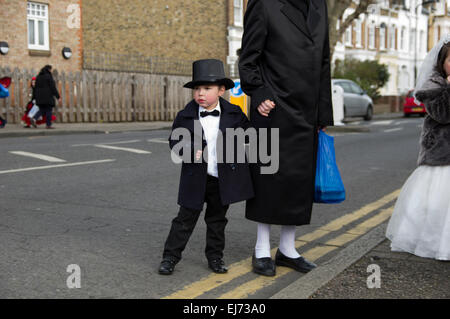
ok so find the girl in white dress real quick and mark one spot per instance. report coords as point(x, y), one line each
point(420, 223)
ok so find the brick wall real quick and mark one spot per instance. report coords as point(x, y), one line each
point(182, 29)
point(13, 21)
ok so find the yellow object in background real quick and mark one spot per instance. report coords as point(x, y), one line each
point(238, 97)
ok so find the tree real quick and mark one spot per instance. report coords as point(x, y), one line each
point(370, 75)
point(336, 10)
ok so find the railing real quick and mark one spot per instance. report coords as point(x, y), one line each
point(100, 96)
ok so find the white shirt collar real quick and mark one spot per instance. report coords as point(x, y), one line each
point(202, 109)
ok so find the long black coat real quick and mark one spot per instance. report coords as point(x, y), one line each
point(287, 59)
point(235, 183)
point(45, 89)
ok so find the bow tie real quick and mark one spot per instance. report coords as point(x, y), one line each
point(213, 113)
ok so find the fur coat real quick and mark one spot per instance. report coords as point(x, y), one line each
point(435, 138)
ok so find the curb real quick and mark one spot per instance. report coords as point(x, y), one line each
point(72, 132)
point(308, 284)
point(347, 129)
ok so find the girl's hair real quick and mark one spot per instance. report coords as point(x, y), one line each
point(441, 59)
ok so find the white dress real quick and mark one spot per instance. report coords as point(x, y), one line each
point(420, 224)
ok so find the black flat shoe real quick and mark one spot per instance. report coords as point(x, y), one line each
point(167, 266)
point(218, 266)
point(263, 266)
point(300, 264)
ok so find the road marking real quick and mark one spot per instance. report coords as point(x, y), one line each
point(39, 156)
point(110, 143)
point(404, 122)
point(252, 286)
point(126, 149)
point(55, 166)
point(393, 130)
point(389, 122)
point(243, 267)
point(158, 140)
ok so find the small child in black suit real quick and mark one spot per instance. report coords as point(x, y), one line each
point(215, 182)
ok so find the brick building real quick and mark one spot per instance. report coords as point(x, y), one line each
point(120, 35)
point(37, 31)
point(175, 30)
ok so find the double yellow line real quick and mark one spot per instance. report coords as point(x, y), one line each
point(243, 267)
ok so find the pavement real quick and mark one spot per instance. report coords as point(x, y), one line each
point(352, 274)
point(366, 269)
point(17, 130)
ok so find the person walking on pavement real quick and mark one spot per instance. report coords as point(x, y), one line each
point(45, 94)
point(25, 119)
point(285, 67)
point(215, 182)
point(420, 223)
point(4, 93)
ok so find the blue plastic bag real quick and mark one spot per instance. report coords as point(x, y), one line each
point(328, 187)
point(3, 92)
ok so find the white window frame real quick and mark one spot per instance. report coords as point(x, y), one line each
point(382, 38)
point(402, 38)
point(392, 39)
point(348, 36)
point(371, 37)
point(238, 11)
point(358, 33)
point(37, 13)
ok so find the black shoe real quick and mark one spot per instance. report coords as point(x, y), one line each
point(263, 266)
point(300, 264)
point(218, 266)
point(167, 266)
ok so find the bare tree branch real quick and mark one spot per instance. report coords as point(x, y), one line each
point(336, 9)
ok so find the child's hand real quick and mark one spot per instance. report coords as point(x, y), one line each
point(448, 78)
point(265, 107)
point(198, 155)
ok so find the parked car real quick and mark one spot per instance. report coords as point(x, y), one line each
point(410, 107)
point(356, 100)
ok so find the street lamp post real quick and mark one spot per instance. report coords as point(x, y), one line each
point(416, 33)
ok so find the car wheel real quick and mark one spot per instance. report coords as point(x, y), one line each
point(407, 115)
point(369, 113)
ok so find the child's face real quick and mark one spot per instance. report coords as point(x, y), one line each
point(447, 64)
point(208, 95)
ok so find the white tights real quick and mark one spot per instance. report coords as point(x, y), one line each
point(287, 241)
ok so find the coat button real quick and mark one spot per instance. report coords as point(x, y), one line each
point(233, 167)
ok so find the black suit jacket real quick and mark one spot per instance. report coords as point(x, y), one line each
point(235, 183)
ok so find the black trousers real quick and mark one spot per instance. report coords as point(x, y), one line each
point(183, 225)
point(47, 111)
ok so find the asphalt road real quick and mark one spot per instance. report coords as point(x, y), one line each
point(105, 203)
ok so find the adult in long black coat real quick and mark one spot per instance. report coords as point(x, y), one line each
point(285, 67)
point(45, 93)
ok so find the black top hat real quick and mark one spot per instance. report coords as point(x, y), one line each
point(209, 71)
